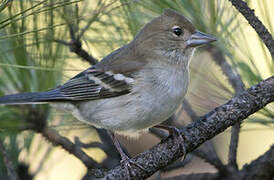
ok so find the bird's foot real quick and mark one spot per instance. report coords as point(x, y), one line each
point(128, 164)
point(125, 159)
point(176, 134)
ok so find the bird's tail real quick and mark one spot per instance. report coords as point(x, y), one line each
point(32, 98)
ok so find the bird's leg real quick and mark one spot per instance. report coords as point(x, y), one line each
point(173, 131)
point(123, 155)
point(118, 146)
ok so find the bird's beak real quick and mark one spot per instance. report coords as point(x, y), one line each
point(199, 38)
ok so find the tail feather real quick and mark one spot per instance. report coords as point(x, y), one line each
point(33, 98)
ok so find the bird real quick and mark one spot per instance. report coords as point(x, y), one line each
point(135, 87)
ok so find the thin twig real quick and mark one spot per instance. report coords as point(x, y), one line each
point(95, 16)
point(113, 157)
point(236, 82)
point(233, 146)
point(75, 46)
point(57, 140)
point(254, 21)
point(233, 76)
point(98, 13)
point(37, 122)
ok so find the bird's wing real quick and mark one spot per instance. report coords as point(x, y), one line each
point(111, 77)
point(90, 84)
point(126, 60)
point(93, 84)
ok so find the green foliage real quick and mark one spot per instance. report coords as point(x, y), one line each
point(29, 61)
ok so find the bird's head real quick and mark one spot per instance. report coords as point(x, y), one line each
point(171, 35)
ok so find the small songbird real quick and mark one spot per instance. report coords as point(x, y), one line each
point(137, 86)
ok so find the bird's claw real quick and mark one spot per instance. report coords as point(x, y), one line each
point(177, 135)
point(128, 163)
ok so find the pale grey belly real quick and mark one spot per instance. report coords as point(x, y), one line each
point(128, 114)
point(155, 95)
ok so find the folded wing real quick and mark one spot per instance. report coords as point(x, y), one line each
point(90, 84)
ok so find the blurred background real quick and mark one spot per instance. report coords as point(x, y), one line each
point(32, 60)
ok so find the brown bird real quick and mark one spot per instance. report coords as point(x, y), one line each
point(137, 86)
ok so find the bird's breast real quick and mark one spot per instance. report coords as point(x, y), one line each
point(162, 92)
point(154, 97)
point(168, 83)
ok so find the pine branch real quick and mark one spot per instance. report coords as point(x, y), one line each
point(255, 22)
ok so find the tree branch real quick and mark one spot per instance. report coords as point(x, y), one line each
point(233, 77)
point(208, 126)
point(254, 21)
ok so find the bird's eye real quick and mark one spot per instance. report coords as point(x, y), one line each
point(177, 30)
